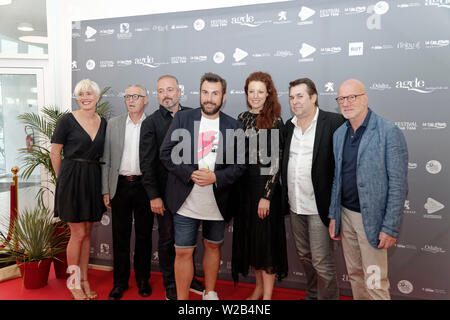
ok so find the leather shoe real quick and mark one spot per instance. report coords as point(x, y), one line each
point(196, 286)
point(144, 288)
point(171, 293)
point(117, 292)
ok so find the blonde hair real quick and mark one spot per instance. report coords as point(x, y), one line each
point(84, 85)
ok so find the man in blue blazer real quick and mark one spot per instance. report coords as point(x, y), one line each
point(369, 191)
point(196, 152)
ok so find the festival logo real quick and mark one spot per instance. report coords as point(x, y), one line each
point(248, 21)
point(432, 206)
point(380, 86)
point(330, 50)
point(106, 64)
point(239, 54)
point(219, 23)
point(199, 24)
point(408, 45)
point(408, 5)
point(415, 85)
point(306, 50)
point(75, 66)
point(406, 125)
point(438, 3)
point(434, 125)
point(430, 44)
point(304, 14)
point(124, 31)
point(90, 64)
point(219, 57)
point(89, 33)
point(405, 287)
point(433, 166)
point(355, 10)
point(283, 53)
point(355, 48)
point(333, 12)
point(433, 249)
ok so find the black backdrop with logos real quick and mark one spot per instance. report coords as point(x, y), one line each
point(399, 49)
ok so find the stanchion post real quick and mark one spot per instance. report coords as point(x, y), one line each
point(14, 203)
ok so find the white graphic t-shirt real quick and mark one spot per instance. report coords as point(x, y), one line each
point(201, 203)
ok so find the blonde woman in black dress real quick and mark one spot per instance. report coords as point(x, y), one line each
point(78, 198)
point(259, 236)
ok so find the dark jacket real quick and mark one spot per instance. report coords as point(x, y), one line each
point(179, 183)
point(153, 131)
point(322, 171)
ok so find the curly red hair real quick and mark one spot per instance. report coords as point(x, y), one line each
point(272, 108)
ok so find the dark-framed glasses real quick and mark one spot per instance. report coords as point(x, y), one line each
point(351, 98)
point(133, 97)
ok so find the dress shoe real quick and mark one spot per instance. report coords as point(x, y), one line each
point(196, 286)
point(171, 293)
point(144, 288)
point(117, 292)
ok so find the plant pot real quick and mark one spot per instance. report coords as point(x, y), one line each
point(60, 265)
point(35, 274)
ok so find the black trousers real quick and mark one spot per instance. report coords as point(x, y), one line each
point(131, 198)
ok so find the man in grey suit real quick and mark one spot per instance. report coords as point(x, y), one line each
point(125, 195)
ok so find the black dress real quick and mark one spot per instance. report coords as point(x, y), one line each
point(78, 195)
point(259, 243)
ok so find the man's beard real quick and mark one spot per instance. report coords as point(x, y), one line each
point(213, 112)
point(170, 105)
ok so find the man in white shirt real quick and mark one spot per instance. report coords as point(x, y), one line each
point(307, 175)
point(125, 195)
point(201, 182)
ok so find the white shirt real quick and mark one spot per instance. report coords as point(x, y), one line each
point(201, 203)
point(300, 188)
point(129, 165)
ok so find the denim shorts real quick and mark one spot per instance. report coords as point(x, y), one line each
point(186, 228)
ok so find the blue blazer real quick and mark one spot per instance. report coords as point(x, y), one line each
point(381, 174)
point(179, 183)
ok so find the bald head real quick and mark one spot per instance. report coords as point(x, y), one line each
point(352, 100)
point(353, 84)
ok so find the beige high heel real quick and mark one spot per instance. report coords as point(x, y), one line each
point(78, 294)
point(91, 295)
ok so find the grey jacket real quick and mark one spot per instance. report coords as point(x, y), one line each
point(112, 153)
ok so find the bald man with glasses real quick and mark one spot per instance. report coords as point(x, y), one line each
point(369, 190)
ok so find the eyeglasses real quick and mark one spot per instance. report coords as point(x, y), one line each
point(351, 98)
point(133, 97)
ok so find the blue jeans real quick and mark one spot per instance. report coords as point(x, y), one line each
point(186, 231)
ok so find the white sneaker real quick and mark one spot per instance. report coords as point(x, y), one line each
point(212, 295)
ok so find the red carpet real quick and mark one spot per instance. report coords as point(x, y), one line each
point(101, 282)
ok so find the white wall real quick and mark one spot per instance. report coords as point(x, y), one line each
point(60, 14)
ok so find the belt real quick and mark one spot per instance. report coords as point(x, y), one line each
point(86, 160)
point(131, 178)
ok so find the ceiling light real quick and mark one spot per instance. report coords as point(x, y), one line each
point(5, 2)
point(34, 39)
point(24, 26)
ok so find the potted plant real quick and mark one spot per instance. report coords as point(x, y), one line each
point(32, 245)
